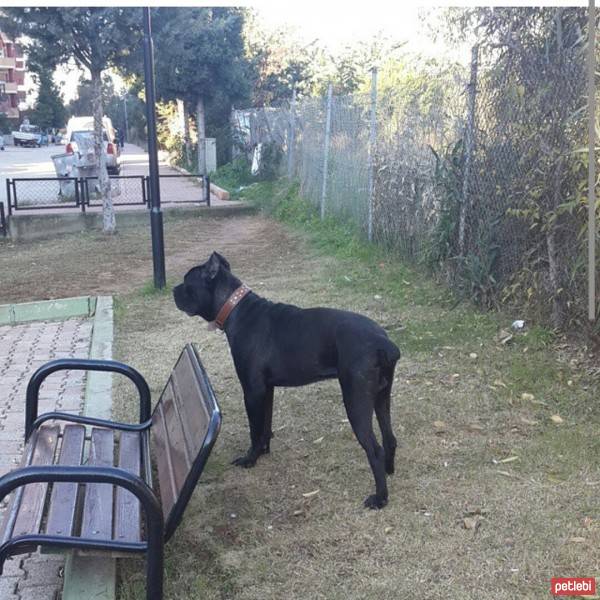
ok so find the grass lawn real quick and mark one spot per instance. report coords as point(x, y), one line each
point(491, 497)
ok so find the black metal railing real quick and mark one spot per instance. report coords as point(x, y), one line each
point(49, 193)
point(3, 226)
point(43, 193)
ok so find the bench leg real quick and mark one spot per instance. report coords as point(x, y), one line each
point(155, 568)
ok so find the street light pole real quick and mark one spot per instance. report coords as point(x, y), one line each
point(156, 219)
point(126, 118)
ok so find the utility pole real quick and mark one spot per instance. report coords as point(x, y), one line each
point(292, 135)
point(326, 149)
point(126, 119)
point(592, 162)
point(372, 149)
point(156, 219)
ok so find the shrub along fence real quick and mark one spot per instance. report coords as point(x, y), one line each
point(480, 173)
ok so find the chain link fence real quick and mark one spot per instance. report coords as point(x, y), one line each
point(478, 173)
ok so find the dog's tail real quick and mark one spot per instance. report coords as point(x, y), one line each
point(388, 353)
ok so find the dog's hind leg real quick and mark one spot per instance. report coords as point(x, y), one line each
point(382, 410)
point(359, 389)
point(268, 429)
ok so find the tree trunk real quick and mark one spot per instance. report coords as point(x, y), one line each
point(108, 211)
point(186, 134)
point(201, 127)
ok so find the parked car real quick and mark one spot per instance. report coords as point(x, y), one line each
point(83, 127)
point(28, 135)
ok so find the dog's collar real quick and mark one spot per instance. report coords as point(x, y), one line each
point(230, 304)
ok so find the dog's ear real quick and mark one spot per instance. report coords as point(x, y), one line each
point(213, 265)
point(224, 262)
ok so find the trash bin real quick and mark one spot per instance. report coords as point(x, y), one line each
point(64, 164)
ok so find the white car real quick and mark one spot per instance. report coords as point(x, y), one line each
point(80, 132)
point(28, 135)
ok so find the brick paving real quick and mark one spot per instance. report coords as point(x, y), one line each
point(23, 348)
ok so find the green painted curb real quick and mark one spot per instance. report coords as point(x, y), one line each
point(98, 391)
point(95, 577)
point(46, 310)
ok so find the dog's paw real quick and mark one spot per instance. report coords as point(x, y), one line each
point(244, 461)
point(374, 502)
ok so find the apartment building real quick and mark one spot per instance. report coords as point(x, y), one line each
point(12, 77)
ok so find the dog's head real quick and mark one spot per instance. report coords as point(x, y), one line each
point(205, 288)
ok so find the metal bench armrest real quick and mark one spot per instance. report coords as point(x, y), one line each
point(82, 364)
point(70, 418)
point(92, 474)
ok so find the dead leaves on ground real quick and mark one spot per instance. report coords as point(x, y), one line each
point(473, 518)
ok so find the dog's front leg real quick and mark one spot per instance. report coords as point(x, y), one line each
point(258, 402)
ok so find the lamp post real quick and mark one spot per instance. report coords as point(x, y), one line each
point(126, 117)
point(156, 219)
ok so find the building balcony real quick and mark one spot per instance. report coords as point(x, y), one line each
point(10, 87)
point(7, 62)
point(10, 111)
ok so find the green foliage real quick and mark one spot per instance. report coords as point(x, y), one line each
point(5, 124)
point(82, 105)
point(471, 276)
point(200, 54)
point(476, 280)
point(49, 111)
point(448, 179)
point(270, 162)
point(278, 63)
point(533, 90)
point(96, 38)
point(233, 176)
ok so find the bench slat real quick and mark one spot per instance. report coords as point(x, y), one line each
point(179, 427)
point(61, 515)
point(98, 504)
point(127, 506)
point(192, 409)
point(32, 503)
point(166, 477)
point(10, 514)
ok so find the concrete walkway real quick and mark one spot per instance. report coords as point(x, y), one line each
point(23, 348)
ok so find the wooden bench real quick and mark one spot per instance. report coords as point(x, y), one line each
point(87, 483)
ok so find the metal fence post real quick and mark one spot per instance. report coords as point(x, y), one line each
point(79, 197)
point(8, 196)
point(372, 148)
point(2, 220)
point(592, 162)
point(326, 149)
point(469, 146)
point(292, 135)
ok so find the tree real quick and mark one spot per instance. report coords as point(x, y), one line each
point(49, 111)
point(279, 63)
point(199, 59)
point(83, 104)
point(97, 38)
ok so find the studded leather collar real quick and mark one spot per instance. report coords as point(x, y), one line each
point(230, 304)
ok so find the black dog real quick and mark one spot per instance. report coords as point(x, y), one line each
point(283, 345)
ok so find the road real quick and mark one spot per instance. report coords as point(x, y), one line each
point(37, 162)
point(26, 162)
